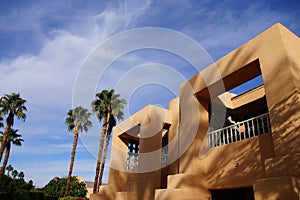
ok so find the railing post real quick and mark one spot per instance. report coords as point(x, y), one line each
point(257, 126)
point(268, 123)
point(263, 124)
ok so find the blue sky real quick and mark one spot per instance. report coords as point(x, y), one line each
point(44, 43)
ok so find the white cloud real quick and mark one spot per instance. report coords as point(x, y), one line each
point(48, 77)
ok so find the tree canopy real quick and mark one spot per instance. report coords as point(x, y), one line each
point(57, 187)
point(12, 106)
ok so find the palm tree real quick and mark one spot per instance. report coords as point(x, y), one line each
point(13, 138)
point(14, 173)
point(111, 124)
point(1, 119)
point(12, 105)
point(21, 175)
point(106, 104)
point(77, 121)
point(9, 169)
point(117, 112)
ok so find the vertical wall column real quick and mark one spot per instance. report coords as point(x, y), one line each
point(173, 151)
point(149, 163)
point(190, 110)
point(281, 73)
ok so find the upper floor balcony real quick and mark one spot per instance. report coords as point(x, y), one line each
point(240, 131)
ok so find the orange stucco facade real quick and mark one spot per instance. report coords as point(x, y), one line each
point(212, 144)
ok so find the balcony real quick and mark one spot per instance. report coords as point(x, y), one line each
point(240, 131)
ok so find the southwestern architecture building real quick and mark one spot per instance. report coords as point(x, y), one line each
point(213, 144)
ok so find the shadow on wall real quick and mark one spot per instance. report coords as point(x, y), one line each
point(285, 120)
point(234, 165)
point(278, 188)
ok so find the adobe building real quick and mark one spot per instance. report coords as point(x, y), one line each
point(213, 144)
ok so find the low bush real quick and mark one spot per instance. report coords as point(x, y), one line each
point(37, 195)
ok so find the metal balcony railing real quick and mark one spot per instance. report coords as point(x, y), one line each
point(132, 161)
point(240, 131)
point(164, 159)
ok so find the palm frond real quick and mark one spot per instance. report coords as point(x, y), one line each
point(108, 102)
point(13, 138)
point(79, 117)
point(13, 105)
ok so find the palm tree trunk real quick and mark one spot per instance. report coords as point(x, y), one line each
point(76, 132)
point(108, 134)
point(101, 143)
point(4, 138)
point(5, 161)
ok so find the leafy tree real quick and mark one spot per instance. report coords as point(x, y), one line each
point(15, 187)
point(77, 121)
point(13, 138)
point(57, 187)
point(107, 105)
point(12, 106)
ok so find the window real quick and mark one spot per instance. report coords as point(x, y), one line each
point(132, 160)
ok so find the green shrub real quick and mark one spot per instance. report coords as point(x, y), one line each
point(22, 195)
point(34, 195)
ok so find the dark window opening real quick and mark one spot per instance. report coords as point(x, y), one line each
point(233, 194)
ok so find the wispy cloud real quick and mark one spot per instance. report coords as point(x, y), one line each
point(51, 148)
point(222, 28)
